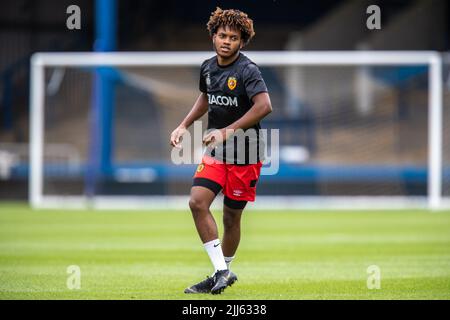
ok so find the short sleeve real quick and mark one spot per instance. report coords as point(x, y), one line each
point(202, 80)
point(253, 81)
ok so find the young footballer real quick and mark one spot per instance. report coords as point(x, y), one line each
point(235, 96)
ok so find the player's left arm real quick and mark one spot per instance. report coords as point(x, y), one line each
point(261, 108)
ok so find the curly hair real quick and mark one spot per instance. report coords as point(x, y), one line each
point(234, 19)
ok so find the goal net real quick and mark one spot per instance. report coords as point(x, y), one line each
point(348, 130)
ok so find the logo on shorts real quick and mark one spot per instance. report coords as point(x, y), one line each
point(237, 193)
point(232, 82)
point(200, 167)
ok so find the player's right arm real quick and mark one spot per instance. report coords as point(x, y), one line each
point(198, 110)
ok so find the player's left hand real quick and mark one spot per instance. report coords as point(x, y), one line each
point(216, 137)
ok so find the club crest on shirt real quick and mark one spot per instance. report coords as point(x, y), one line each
point(208, 80)
point(232, 82)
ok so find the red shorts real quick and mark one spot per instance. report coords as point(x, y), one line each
point(238, 182)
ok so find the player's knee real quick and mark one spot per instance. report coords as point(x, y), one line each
point(230, 222)
point(197, 205)
point(231, 219)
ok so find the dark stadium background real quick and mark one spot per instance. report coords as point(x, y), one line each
point(28, 26)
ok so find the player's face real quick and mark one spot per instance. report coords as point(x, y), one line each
point(227, 42)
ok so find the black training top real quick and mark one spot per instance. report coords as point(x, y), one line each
point(230, 90)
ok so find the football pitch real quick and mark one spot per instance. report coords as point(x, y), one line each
point(282, 255)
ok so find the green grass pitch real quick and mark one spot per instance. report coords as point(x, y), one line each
point(283, 255)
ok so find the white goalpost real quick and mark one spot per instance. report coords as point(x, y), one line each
point(433, 199)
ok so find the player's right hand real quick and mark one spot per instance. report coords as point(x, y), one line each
point(176, 136)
